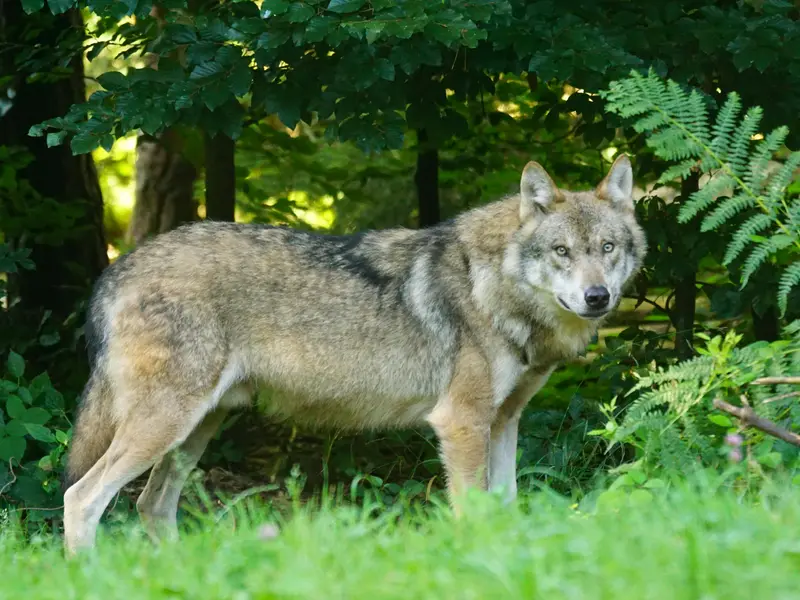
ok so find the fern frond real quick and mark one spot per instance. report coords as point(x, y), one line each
point(742, 141)
point(776, 191)
point(726, 210)
point(793, 214)
point(789, 279)
point(721, 133)
point(679, 171)
point(742, 238)
point(672, 145)
point(759, 163)
point(760, 253)
point(695, 115)
point(694, 369)
point(705, 196)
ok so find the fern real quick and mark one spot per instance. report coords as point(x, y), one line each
point(678, 129)
point(668, 419)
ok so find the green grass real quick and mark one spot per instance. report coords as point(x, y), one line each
point(680, 544)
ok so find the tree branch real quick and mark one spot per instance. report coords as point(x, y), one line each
point(776, 381)
point(750, 419)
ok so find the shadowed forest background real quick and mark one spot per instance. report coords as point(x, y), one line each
point(120, 120)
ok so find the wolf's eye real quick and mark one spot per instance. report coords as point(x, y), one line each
point(561, 250)
point(608, 247)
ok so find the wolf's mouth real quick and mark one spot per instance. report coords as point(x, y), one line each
point(587, 315)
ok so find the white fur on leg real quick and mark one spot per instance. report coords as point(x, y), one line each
point(503, 461)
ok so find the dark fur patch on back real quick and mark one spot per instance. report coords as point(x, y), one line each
point(346, 252)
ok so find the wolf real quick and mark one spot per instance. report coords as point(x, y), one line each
point(457, 326)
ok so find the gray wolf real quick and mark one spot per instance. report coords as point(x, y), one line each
point(457, 326)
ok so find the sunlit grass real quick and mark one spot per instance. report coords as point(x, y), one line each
point(701, 543)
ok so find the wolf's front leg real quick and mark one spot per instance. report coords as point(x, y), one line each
point(505, 430)
point(462, 421)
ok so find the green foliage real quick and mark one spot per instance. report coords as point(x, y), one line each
point(739, 179)
point(672, 423)
point(34, 434)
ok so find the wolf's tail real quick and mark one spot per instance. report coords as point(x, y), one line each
point(94, 428)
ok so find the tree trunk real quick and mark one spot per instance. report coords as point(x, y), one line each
point(683, 310)
point(64, 269)
point(220, 177)
point(164, 187)
point(427, 180)
point(164, 177)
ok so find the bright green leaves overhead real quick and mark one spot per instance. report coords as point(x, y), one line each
point(346, 59)
point(344, 6)
point(32, 6)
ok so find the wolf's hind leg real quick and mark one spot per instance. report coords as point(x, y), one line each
point(158, 503)
point(142, 438)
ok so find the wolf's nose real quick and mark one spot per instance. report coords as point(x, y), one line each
point(596, 296)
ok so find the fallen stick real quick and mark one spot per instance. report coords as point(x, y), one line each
point(776, 381)
point(750, 419)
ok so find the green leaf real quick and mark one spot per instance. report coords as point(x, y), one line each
point(721, 420)
point(216, 94)
point(37, 415)
point(113, 81)
point(15, 408)
point(300, 12)
point(206, 69)
point(58, 7)
point(51, 339)
point(240, 79)
point(25, 395)
point(61, 437)
point(55, 138)
point(40, 383)
point(32, 6)
point(373, 30)
point(39, 432)
point(317, 28)
point(15, 364)
point(344, 6)
point(12, 448)
point(273, 7)
point(771, 459)
point(84, 142)
point(181, 33)
point(16, 428)
point(385, 69)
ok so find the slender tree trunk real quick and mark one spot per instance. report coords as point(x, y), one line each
point(220, 177)
point(164, 187)
point(64, 269)
point(164, 177)
point(683, 310)
point(427, 180)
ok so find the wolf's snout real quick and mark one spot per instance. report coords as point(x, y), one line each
point(596, 297)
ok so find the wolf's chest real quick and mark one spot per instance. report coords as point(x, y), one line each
point(547, 348)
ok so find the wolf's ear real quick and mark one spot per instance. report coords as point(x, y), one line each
point(537, 191)
point(617, 187)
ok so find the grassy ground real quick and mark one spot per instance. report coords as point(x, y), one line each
point(682, 544)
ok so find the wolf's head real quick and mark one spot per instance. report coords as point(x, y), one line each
point(576, 250)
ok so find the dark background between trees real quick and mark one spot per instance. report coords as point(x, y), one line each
point(343, 115)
